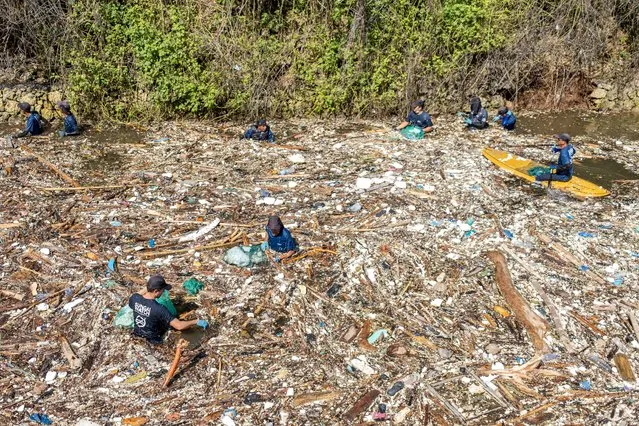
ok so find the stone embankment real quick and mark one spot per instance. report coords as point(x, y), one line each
point(616, 97)
point(42, 98)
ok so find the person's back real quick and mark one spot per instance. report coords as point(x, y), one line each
point(478, 115)
point(151, 319)
point(34, 125)
point(70, 126)
point(564, 164)
point(261, 131)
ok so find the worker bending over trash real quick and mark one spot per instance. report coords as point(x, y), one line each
point(70, 123)
point(260, 131)
point(418, 117)
point(506, 117)
point(34, 124)
point(151, 320)
point(279, 239)
point(564, 167)
point(478, 117)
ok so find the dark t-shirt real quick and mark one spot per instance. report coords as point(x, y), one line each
point(150, 319)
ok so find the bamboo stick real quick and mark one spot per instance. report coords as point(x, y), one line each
point(65, 177)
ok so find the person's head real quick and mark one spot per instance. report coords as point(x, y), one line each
point(418, 106)
point(25, 108)
point(64, 107)
point(502, 111)
point(261, 125)
point(475, 105)
point(563, 139)
point(156, 286)
point(275, 225)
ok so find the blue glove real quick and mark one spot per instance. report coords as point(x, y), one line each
point(461, 114)
point(202, 323)
point(468, 121)
point(61, 133)
point(497, 118)
point(264, 246)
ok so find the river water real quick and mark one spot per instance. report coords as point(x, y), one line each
point(105, 153)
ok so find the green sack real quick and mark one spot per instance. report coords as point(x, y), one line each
point(412, 132)
point(245, 256)
point(124, 318)
point(538, 170)
point(165, 301)
point(193, 286)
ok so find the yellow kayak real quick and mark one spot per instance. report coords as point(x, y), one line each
point(519, 166)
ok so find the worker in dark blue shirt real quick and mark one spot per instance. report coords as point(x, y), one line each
point(506, 117)
point(279, 239)
point(478, 117)
point(261, 131)
point(418, 117)
point(564, 169)
point(70, 124)
point(34, 125)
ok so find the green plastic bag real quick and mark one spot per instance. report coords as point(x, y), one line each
point(193, 286)
point(412, 133)
point(165, 301)
point(245, 256)
point(124, 318)
point(538, 170)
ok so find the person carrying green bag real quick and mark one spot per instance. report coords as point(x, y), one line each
point(151, 317)
point(416, 123)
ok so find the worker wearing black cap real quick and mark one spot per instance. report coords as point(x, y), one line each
point(564, 164)
point(70, 123)
point(151, 319)
point(34, 126)
point(260, 131)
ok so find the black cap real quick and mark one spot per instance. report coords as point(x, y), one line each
point(418, 103)
point(24, 106)
point(563, 136)
point(64, 106)
point(260, 122)
point(156, 282)
point(502, 110)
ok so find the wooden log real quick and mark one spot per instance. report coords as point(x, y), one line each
point(554, 312)
point(569, 257)
point(91, 188)
point(624, 367)
point(10, 225)
point(181, 345)
point(362, 404)
point(310, 398)
point(533, 323)
point(65, 177)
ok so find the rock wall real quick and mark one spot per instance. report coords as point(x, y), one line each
point(43, 99)
point(616, 97)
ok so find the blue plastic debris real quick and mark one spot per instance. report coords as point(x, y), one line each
point(160, 140)
point(230, 412)
point(115, 223)
point(111, 265)
point(377, 334)
point(508, 234)
point(586, 235)
point(585, 385)
point(151, 243)
point(584, 268)
point(264, 193)
point(520, 360)
point(618, 281)
point(569, 216)
point(42, 419)
point(550, 357)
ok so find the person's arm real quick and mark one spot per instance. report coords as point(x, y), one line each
point(401, 126)
point(271, 136)
point(182, 325)
point(22, 134)
point(249, 133)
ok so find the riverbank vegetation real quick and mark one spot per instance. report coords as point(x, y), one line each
point(148, 58)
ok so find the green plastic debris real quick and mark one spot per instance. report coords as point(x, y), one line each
point(193, 286)
point(412, 133)
point(124, 318)
point(245, 256)
point(538, 170)
point(165, 301)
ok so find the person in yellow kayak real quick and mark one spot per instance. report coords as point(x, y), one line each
point(563, 168)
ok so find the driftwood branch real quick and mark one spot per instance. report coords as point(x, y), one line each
point(533, 323)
